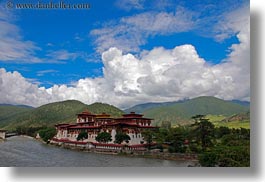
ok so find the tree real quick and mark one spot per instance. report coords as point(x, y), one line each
point(82, 135)
point(166, 125)
point(222, 131)
point(103, 137)
point(47, 134)
point(148, 137)
point(203, 131)
point(226, 156)
point(30, 131)
point(120, 137)
point(176, 138)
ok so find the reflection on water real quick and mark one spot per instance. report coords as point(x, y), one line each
point(23, 151)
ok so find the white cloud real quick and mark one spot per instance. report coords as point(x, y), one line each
point(237, 63)
point(232, 22)
point(43, 72)
point(60, 55)
point(12, 45)
point(160, 75)
point(157, 75)
point(128, 33)
point(128, 5)
point(15, 89)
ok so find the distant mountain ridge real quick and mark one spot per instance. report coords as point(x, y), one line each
point(7, 112)
point(24, 106)
point(57, 112)
point(140, 108)
point(178, 112)
point(244, 103)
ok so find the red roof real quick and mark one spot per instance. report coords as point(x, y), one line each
point(130, 118)
point(83, 127)
point(86, 122)
point(132, 114)
point(130, 124)
point(64, 125)
point(87, 113)
point(103, 115)
point(61, 124)
point(138, 145)
point(124, 123)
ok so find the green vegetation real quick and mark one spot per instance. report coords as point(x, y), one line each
point(203, 131)
point(226, 156)
point(166, 124)
point(59, 112)
point(148, 137)
point(216, 146)
point(47, 133)
point(103, 137)
point(120, 137)
point(180, 113)
point(99, 108)
point(82, 136)
point(241, 120)
point(234, 124)
point(30, 131)
point(221, 138)
point(177, 113)
point(10, 112)
point(231, 150)
point(140, 108)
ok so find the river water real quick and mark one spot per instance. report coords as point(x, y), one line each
point(27, 152)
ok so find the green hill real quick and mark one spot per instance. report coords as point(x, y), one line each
point(7, 112)
point(180, 113)
point(58, 112)
point(140, 108)
point(99, 108)
point(241, 120)
point(65, 112)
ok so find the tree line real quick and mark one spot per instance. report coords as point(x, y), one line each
point(215, 146)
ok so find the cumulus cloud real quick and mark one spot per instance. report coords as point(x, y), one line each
point(157, 75)
point(15, 89)
point(237, 63)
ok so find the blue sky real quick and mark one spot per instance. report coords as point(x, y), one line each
point(63, 46)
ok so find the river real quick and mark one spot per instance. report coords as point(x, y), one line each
point(27, 152)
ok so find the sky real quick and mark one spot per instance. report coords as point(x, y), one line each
point(124, 52)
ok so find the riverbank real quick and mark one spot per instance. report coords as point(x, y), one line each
point(151, 154)
point(191, 158)
point(27, 152)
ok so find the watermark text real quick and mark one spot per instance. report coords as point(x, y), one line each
point(46, 5)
